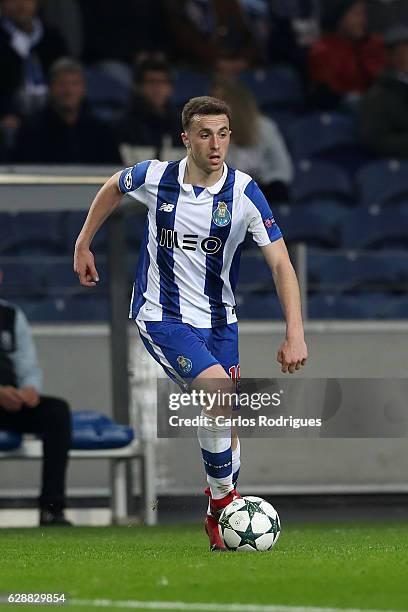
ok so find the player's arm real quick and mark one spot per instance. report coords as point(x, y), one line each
point(105, 202)
point(293, 351)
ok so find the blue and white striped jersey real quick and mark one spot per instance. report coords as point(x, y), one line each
point(189, 259)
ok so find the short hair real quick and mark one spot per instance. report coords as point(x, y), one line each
point(203, 105)
point(64, 65)
point(152, 65)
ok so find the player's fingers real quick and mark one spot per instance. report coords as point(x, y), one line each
point(297, 367)
point(284, 368)
point(291, 368)
point(279, 357)
point(303, 361)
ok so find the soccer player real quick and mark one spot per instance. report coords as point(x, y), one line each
point(199, 211)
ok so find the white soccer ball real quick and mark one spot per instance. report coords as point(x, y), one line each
point(249, 523)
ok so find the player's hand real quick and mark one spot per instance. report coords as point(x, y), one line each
point(292, 355)
point(29, 396)
point(10, 399)
point(84, 266)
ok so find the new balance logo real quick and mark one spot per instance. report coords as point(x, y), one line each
point(166, 207)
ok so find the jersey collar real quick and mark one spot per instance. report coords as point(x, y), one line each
point(214, 189)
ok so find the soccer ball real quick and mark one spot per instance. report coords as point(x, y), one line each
point(249, 523)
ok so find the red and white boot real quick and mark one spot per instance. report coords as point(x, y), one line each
point(211, 520)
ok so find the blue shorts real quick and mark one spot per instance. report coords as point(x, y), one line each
point(185, 351)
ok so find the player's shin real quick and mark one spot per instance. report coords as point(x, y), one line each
point(214, 437)
point(236, 460)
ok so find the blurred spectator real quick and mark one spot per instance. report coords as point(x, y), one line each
point(65, 131)
point(257, 146)
point(279, 34)
point(27, 50)
point(151, 119)
point(213, 35)
point(384, 110)
point(347, 59)
point(24, 409)
point(66, 16)
point(121, 31)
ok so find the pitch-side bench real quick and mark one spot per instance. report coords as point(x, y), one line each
point(95, 436)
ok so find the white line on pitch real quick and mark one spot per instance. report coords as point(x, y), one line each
point(204, 607)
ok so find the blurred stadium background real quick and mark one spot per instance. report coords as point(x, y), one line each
point(345, 219)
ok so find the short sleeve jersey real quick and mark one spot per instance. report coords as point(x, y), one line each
point(189, 259)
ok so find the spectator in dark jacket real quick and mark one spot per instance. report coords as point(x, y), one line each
point(151, 120)
point(27, 50)
point(347, 59)
point(384, 110)
point(65, 131)
point(24, 409)
point(212, 35)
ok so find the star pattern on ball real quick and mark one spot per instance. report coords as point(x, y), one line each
point(252, 508)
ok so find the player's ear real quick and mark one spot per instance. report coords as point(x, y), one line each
point(185, 139)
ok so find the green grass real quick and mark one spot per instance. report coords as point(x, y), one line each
point(362, 565)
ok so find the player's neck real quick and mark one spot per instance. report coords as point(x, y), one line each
point(194, 175)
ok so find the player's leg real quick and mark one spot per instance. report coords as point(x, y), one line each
point(224, 347)
point(214, 436)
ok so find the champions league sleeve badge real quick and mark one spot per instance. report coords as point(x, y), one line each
point(185, 364)
point(128, 180)
point(221, 216)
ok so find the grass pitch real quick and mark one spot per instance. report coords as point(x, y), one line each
point(361, 566)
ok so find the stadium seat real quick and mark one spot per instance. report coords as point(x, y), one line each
point(298, 224)
point(188, 84)
point(9, 440)
point(276, 86)
point(361, 229)
point(319, 179)
point(73, 222)
point(108, 96)
point(61, 280)
point(398, 308)
point(254, 273)
point(93, 431)
point(78, 308)
point(383, 182)
point(22, 276)
point(335, 306)
point(31, 234)
point(258, 306)
point(320, 133)
point(353, 272)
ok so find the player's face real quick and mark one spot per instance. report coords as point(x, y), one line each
point(67, 90)
point(207, 141)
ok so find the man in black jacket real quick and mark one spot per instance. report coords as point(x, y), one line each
point(27, 50)
point(384, 110)
point(24, 410)
point(65, 131)
point(151, 120)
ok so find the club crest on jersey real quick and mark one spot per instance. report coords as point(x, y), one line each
point(185, 364)
point(166, 207)
point(128, 180)
point(221, 216)
point(269, 222)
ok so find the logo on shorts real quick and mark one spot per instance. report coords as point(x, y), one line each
point(221, 216)
point(128, 180)
point(185, 364)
